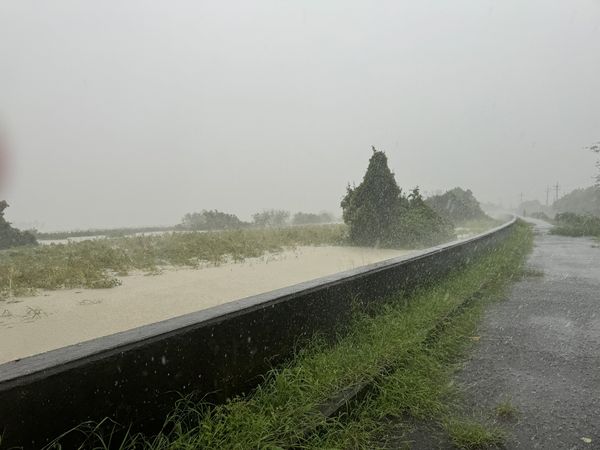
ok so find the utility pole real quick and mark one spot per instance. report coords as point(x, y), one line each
point(521, 198)
point(547, 195)
point(556, 188)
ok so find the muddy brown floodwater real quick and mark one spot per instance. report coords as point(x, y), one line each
point(54, 319)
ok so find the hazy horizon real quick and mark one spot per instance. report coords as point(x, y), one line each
point(135, 113)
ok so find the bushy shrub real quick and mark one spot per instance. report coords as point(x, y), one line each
point(457, 205)
point(422, 226)
point(378, 213)
point(571, 224)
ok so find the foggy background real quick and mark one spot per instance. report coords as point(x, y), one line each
point(134, 113)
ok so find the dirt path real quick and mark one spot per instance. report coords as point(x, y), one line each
point(540, 349)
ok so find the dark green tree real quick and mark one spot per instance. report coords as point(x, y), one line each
point(378, 213)
point(10, 236)
point(372, 209)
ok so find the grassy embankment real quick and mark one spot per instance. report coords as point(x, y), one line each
point(98, 263)
point(405, 337)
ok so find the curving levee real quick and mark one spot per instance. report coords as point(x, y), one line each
point(135, 376)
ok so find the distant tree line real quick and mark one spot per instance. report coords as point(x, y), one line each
point(457, 205)
point(10, 236)
point(580, 201)
point(272, 218)
point(208, 220)
point(211, 220)
point(312, 219)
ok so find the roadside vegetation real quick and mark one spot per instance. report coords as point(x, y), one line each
point(417, 339)
point(98, 263)
point(571, 224)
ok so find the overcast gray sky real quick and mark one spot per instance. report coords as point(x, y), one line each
point(136, 112)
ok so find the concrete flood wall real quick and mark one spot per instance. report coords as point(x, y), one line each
point(136, 376)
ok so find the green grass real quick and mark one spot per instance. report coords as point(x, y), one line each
point(283, 411)
point(99, 263)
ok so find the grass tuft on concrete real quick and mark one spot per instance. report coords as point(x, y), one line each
point(505, 410)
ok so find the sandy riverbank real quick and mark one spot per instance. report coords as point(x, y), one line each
point(53, 319)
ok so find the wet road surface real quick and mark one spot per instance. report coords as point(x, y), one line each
point(540, 349)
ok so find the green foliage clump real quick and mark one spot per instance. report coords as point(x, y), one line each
point(472, 435)
point(457, 205)
point(271, 218)
point(570, 224)
point(211, 220)
point(420, 225)
point(378, 213)
point(10, 236)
